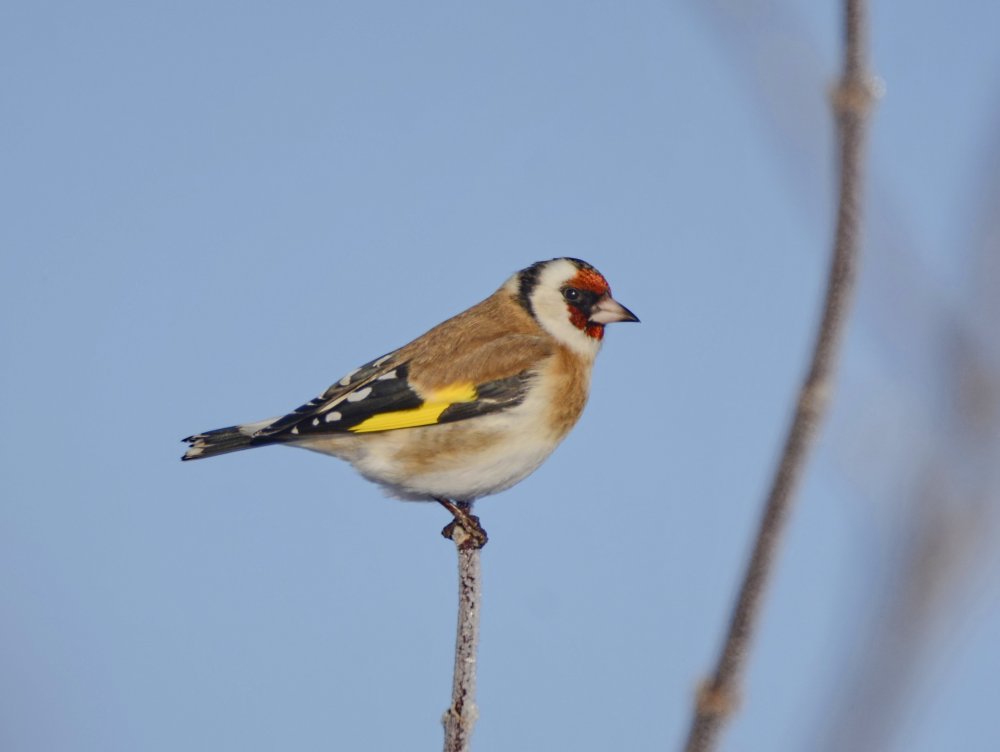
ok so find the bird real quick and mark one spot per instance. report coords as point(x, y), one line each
point(466, 410)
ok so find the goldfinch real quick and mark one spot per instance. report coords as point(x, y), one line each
point(470, 408)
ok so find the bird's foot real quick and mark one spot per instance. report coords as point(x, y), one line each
point(465, 529)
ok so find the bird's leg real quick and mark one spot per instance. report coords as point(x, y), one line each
point(471, 530)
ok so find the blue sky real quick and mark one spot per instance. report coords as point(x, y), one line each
point(212, 211)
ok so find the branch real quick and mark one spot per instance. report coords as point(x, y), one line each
point(461, 716)
point(852, 101)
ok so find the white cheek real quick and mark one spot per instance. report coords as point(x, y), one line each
point(553, 313)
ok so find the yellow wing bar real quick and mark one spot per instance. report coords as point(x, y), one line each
point(425, 415)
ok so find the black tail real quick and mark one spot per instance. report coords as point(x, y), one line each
point(219, 441)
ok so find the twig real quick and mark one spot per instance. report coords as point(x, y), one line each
point(461, 716)
point(851, 104)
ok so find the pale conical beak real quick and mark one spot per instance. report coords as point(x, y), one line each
point(607, 310)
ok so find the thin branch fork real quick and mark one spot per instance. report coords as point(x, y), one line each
point(851, 100)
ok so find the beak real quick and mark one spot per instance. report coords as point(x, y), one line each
point(607, 310)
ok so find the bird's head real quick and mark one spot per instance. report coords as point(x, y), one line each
point(571, 300)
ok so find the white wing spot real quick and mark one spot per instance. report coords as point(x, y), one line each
point(386, 376)
point(347, 379)
point(359, 395)
point(295, 429)
point(332, 416)
point(315, 421)
point(381, 360)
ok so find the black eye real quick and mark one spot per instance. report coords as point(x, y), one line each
point(571, 294)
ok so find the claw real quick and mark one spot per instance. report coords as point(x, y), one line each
point(465, 529)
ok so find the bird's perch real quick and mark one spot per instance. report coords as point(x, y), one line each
point(460, 718)
point(852, 101)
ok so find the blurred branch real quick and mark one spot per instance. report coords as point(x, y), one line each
point(461, 716)
point(851, 104)
point(951, 511)
point(945, 538)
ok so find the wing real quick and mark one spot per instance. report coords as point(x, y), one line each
point(356, 380)
point(380, 397)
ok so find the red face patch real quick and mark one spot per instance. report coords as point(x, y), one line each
point(592, 281)
point(590, 328)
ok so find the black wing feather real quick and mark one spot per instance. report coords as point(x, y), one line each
point(392, 394)
point(369, 372)
point(382, 395)
point(491, 397)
